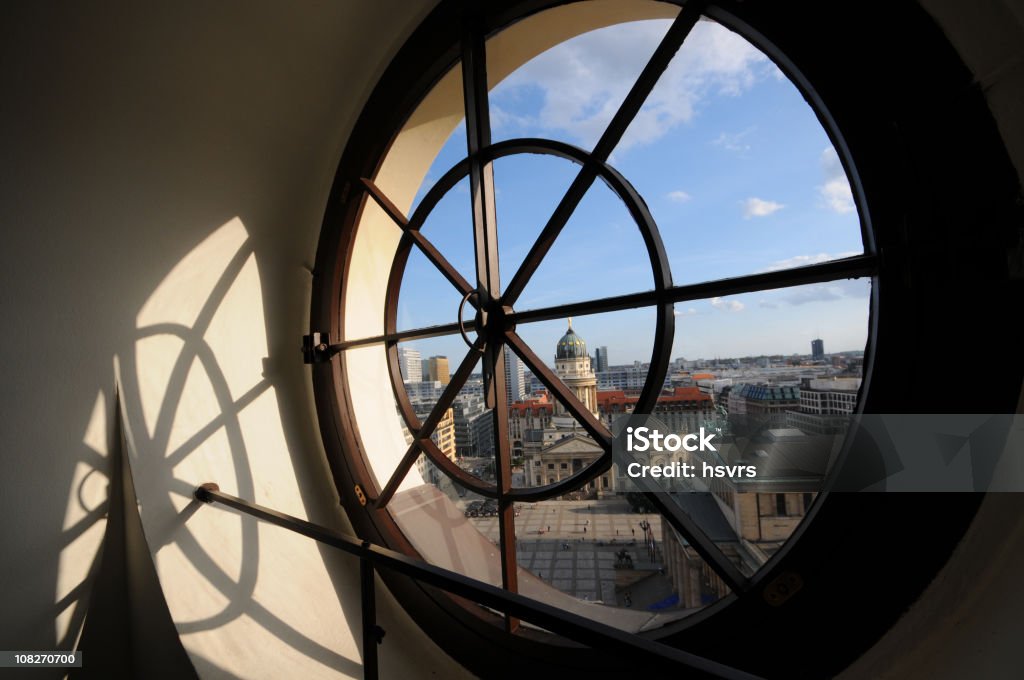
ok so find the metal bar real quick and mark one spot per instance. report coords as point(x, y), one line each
point(410, 456)
point(481, 182)
point(421, 241)
point(455, 473)
point(371, 634)
point(549, 233)
point(451, 390)
point(485, 240)
point(630, 106)
point(846, 268)
point(503, 477)
point(648, 78)
point(649, 653)
point(699, 541)
point(413, 334)
point(481, 175)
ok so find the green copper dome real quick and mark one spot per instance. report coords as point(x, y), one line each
point(571, 346)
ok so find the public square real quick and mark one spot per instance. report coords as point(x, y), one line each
point(573, 546)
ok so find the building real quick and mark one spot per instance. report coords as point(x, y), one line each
point(566, 456)
point(748, 519)
point(818, 349)
point(829, 396)
point(411, 364)
point(711, 385)
point(560, 447)
point(474, 426)
point(444, 433)
point(681, 409)
point(443, 436)
point(601, 359)
point(572, 365)
point(437, 370)
point(529, 414)
point(825, 405)
point(630, 378)
point(424, 391)
point(515, 377)
point(763, 403)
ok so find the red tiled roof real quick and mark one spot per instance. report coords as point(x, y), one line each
point(609, 398)
point(531, 406)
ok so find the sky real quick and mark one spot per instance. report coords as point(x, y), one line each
point(735, 168)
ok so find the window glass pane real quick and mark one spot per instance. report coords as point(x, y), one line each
point(600, 252)
point(753, 182)
point(434, 513)
point(530, 186)
point(571, 91)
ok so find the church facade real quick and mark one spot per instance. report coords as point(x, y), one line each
point(560, 447)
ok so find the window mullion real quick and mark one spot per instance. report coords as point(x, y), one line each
point(485, 242)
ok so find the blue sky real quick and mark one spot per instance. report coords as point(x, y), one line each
point(734, 166)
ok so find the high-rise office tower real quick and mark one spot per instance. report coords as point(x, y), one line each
point(437, 369)
point(410, 363)
point(601, 359)
point(515, 377)
point(817, 349)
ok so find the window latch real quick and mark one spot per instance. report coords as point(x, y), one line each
point(315, 348)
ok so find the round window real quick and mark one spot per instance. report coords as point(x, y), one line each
point(550, 218)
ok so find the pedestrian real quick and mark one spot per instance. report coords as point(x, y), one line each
point(584, 530)
point(549, 528)
point(634, 532)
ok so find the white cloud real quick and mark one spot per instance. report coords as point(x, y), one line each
point(582, 82)
point(733, 141)
point(727, 305)
point(802, 260)
point(836, 191)
point(767, 305)
point(815, 293)
point(825, 292)
point(757, 207)
point(678, 196)
point(689, 311)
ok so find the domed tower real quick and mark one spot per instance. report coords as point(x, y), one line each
point(572, 364)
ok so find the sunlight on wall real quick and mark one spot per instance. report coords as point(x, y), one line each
point(85, 522)
point(198, 408)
